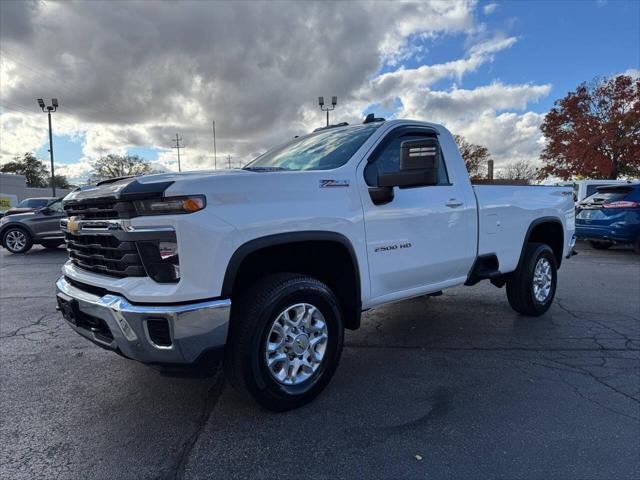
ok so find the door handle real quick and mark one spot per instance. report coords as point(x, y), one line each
point(453, 203)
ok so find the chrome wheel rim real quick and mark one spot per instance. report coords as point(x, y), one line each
point(296, 344)
point(542, 280)
point(15, 240)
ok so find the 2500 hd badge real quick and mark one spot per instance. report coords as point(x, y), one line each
point(397, 246)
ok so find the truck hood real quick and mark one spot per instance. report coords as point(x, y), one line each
point(132, 188)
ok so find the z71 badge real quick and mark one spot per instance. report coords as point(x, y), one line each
point(334, 183)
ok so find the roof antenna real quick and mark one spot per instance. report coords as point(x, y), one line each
point(372, 118)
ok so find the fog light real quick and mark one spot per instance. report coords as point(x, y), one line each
point(160, 260)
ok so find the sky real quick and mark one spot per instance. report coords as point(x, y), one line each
point(130, 75)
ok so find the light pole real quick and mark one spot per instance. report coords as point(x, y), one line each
point(334, 102)
point(50, 108)
point(215, 156)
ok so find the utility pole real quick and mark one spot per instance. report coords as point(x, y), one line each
point(178, 147)
point(229, 160)
point(50, 108)
point(215, 155)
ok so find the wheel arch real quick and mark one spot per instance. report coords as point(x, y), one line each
point(305, 252)
point(549, 230)
point(9, 225)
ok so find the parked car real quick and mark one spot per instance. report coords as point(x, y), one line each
point(611, 216)
point(30, 205)
point(19, 231)
point(585, 188)
point(270, 263)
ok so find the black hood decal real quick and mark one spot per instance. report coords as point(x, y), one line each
point(119, 190)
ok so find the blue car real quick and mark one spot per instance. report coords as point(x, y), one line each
point(611, 216)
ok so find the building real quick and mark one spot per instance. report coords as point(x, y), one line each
point(13, 189)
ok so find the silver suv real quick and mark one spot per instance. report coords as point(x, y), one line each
point(18, 232)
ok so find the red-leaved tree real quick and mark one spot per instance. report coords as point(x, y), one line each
point(594, 132)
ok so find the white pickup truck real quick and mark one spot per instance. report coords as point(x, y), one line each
point(267, 265)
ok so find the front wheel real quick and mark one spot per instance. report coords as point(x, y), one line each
point(532, 286)
point(285, 340)
point(17, 240)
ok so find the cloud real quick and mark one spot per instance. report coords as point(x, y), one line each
point(489, 8)
point(461, 104)
point(128, 75)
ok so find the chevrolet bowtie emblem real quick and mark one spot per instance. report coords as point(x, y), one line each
point(73, 225)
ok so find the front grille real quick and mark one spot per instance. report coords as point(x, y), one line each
point(100, 210)
point(105, 254)
point(159, 333)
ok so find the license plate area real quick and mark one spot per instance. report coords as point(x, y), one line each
point(69, 308)
point(71, 312)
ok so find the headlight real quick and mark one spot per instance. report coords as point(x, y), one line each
point(171, 205)
point(160, 260)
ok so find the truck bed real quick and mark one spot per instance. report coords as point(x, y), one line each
point(505, 213)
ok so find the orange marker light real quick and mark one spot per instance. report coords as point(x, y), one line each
point(193, 204)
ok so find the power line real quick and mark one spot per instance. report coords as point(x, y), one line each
point(178, 147)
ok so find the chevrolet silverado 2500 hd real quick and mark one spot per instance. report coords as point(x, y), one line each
point(269, 264)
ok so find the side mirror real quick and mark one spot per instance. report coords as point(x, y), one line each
point(419, 161)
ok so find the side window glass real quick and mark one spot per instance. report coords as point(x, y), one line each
point(56, 207)
point(388, 161)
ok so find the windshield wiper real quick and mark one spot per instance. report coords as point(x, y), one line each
point(266, 169)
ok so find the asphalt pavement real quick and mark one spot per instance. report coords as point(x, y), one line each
point(456, 386)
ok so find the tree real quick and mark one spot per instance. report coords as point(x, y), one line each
point(114, 166)
point(62, 182)
point(35, 172)
point(519, 171)
point(475, 157)
point(594, 132)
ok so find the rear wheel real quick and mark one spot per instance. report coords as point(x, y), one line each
point(285, 340)
point(599, 245)
point(532, 286)
point(17, 240)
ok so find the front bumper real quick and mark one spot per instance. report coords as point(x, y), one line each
point(571, 251)
point(112, 322)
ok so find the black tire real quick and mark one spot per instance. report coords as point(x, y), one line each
point(520, 287)
point(254, 313)
point(598, 245)
point(16, 232)
point(51, 243)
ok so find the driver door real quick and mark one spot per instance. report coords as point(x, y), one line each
point(47, 225)
point(419, 239)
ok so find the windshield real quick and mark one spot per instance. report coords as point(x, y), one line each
point(33, 203)
point(322, 150)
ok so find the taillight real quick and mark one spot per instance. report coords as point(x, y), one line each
point(621, 204)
